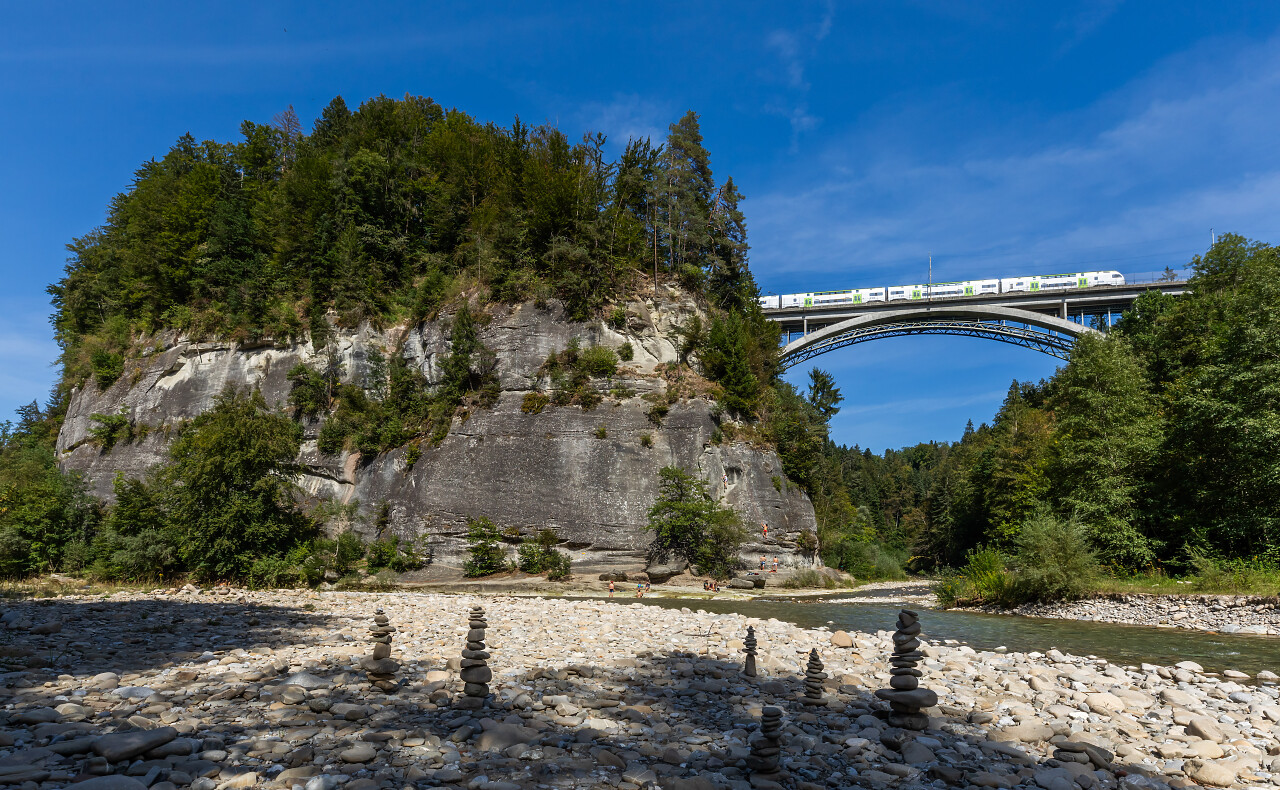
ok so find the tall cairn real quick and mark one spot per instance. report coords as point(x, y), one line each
point(766, 750)
point(380, 667)
point(813, 677)
point(749, 647)
point(475, 672)
point(905, 697)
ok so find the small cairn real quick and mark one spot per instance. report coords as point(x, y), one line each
point(749, 647)
point(380, 666)
point(813, 677)
point(905, 697)
point(475, 672)
point(766, 750)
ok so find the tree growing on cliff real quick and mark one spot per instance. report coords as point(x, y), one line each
point(690, 525)
point(228, 487)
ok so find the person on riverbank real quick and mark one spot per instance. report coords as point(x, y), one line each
point(639, 589)
point(611, 588)
point(763, 562)
point(775, 565)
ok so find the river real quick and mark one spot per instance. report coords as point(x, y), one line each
point(1120, 644)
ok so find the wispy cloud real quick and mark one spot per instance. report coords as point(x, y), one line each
point(793, 47)
point(1183, 149)
point(628, 116)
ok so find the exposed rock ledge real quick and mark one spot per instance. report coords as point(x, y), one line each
point(529, 471)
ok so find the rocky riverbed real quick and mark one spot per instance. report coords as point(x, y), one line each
point(1228, 614)
point(246, 689)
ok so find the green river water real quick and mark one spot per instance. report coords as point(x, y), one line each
point(1121, 644)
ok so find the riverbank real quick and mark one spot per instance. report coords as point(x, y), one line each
point(1228, 614)
point(264, 689)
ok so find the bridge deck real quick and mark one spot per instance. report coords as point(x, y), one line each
point(1095, 300)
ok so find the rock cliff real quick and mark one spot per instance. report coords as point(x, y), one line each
point(589, 474)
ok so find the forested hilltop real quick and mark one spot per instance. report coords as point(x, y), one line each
point(399, 214)
point(1156, 449)
point(384, 213)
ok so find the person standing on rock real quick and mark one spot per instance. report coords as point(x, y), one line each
point(611, 588)
point(766, 530)
point(763, 562)
point(775, 565)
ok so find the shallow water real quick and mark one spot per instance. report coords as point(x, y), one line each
point(1121, 644)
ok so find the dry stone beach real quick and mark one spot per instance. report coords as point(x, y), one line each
point(219, 690)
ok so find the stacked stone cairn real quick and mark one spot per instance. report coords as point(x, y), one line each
point(475, 672)
point(813, 677)
point(766, 749)
point(749, 647)
point(379, 666)
point(905, 697)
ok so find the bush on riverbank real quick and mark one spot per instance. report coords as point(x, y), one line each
point(1053, 563)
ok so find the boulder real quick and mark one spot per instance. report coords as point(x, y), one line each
point(660, 573)
point(742, 584)
point(841, 639)
point(613, 576)
point(124, 745)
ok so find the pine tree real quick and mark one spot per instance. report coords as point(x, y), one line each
point(729, 280)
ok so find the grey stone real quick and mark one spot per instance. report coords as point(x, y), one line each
point(112, 782)
point(123, 745)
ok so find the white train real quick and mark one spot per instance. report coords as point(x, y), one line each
point(893, 293)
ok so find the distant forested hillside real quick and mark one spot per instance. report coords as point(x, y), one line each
point(381, 214)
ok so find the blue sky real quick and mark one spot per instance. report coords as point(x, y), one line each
point(1001, 138)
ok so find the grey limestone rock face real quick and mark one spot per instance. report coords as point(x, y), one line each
point(530, 471)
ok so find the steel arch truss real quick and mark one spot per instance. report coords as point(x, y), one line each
point(1028, 337)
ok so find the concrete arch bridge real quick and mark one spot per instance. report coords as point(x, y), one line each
point(1048, 323)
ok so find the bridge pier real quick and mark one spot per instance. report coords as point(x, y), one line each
point(1063, 313)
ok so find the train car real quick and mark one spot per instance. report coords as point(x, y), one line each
point(899, 292)
point(1058, 282)
point(963, 288)
point(824, 298)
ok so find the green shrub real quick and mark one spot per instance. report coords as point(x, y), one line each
point(602, 431)
point(348, 550)
point(658, 413)
point(487, 556)
point(110, 429)
point(534, 403)
point(618, 318)
point(646, 440)
point(540, 556)
point(395, 554)
point(598, 362)
point(626, 352)
point(107, 367)
point(15, 554)
point(866, 560)
point(1054, 560)
point(411, 456)
point(717, 435)
point(273, 572)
